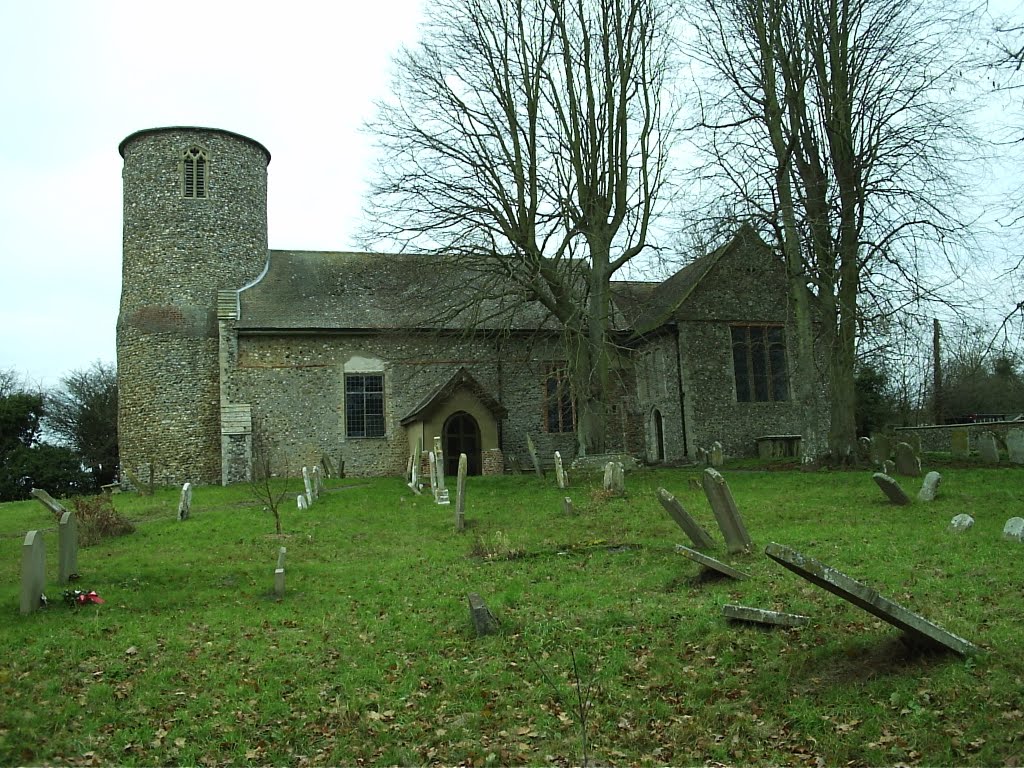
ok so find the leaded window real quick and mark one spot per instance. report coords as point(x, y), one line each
point(364, 405)
point(759, 363)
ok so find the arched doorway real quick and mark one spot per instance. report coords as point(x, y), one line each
point(658, 430)
point(461, 434)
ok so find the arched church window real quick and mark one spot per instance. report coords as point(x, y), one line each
point(194, 171)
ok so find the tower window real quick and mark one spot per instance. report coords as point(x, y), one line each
point(194, 173)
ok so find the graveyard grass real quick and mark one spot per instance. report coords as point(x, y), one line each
point(371, 658)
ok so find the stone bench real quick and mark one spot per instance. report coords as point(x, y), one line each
point(777, 446)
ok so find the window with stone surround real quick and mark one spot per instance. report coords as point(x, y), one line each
point(364, 405)
point(559, 408)
point(759, 363)
point(194, 171)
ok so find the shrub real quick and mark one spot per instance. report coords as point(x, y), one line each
point(98, 520)
point(497, 547)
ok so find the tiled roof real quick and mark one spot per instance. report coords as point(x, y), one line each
point(461, 378)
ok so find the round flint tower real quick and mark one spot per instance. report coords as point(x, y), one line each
point(195, 222)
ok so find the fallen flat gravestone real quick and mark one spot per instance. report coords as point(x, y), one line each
point(726, 513)
point(891, 489)
point(930, 487)
point(961, 523)
point(484, 621)
point(852, 591)
point(710, 562)
point(761, 616)
point(700, 538)
point(33, 571)
point(67, 548)
point(1014, 529)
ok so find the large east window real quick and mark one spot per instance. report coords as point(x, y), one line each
point(194, 172)
point(559, 409)
point(364, 405)
point(759, 363)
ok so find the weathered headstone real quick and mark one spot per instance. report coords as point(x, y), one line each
point(563, 481)
point(961, 523)
point(414, 474)
point(1015, 444)
point(318, 483)
point(439, 462)
point(930, 487)
point(726, 513)
point(281, 552)
point(567, 506)
point(762, 616)
point(891, 489)
point(67, 548)
point(185, 502)
point(484, 621)
point(907, 462)
point(864, 447)
point(717, 457)
point(328, 466)
point(433, 474)
point(33, 571)
point(960, 443)
point(988, 448)
point(880, 449)
point(308, 484)
point(302, 501)
point(279, 582)
point(48, 501)
point(700, 538)
point(710, 562)
point(913, 439)
point(533, 455)
point(859, 594)
point(615, 478)
point(889, 467)
point(460, 493)
point(1014, 529)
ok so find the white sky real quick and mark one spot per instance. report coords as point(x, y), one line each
point(77, 77)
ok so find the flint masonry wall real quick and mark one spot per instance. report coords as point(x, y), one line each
point(177, 253)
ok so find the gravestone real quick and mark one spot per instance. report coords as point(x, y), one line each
point(48, 501)
point(439, 463)
point(414, 482)
point(1014, 529)
point(889, 467)
point(302, 502)
point(484, 622)
point(961, 523)
point(533, 455)
point(891, 489)
point(1015, 445)
point(880, 448)
point(700, 538)
point(408, 470)
point(717, 457)
point(726, 513)
point(185, 502)
point(460, 494)
point(318, 483)
point(33, 571)
point(930, 487)
point(567, 506)
point(433, 474)
point(281, 552)
point(988, 448)
point(914, 441)
point(960, 443)
point(563, 481)
point(907, 462)
point(67, 548)
point(615, 478)
point(308, 484)
point(279, 583)
point(761, 616)
point(861, 595)
point(711, 563)
point(864, 448)
point(328, 466)
point(514, 463)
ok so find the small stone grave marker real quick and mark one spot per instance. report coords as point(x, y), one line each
point(988, 448)
point(33, 571)
point(533, 455)
point(762, 616)
point(560, 476)
point(67, 548)
point(711, 563)
point(433, 474)
point(960, 443)
point(891, 489)
point(567, 506)
point(907, 462)
point(961, 523)
point(615, 478)
point(726, 512)
point(930, 487)
point(185, 502)
point(717, 455)
point(308, 484)
point(279, 583)
point(439, 462)
point(460, 494)
point(700, 538)
point(1014, 529)
point(318, 483)
point(1015, 444)
point(865, 597)
point(484, 621)
point(302, 502)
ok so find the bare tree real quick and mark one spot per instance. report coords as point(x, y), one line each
point(263, 486)
point(837, 125)
point(528, 140)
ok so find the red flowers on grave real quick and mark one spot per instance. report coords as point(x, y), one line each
point(76, 597)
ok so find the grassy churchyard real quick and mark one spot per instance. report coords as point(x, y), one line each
point(612, 648)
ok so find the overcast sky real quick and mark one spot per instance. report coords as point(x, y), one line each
point(77, 77)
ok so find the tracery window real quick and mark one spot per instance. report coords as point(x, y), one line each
point(194, 172)
point(759, 363)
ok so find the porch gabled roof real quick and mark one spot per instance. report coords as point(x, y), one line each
point(461, 378)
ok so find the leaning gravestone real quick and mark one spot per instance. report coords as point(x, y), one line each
point(726, 513)
point(891, 489)
point(563, 481)
point(762, 616)
point(1014, 529)
point(33, 571)
point(700, 538)
point(930, 487)
point(961, 523)
point(889, 467)
point(48, 501)
point(907, 462)
point(988, 448)
point(1015, 445)
point(484, 621)
point(861, 595)
point(532, 449)
point(711, 564)
point(308, 484)
point(960, 443)
point(615, 478)
point(460, 494)
point(281, 552)
point(67, 548)
point(185, 502)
